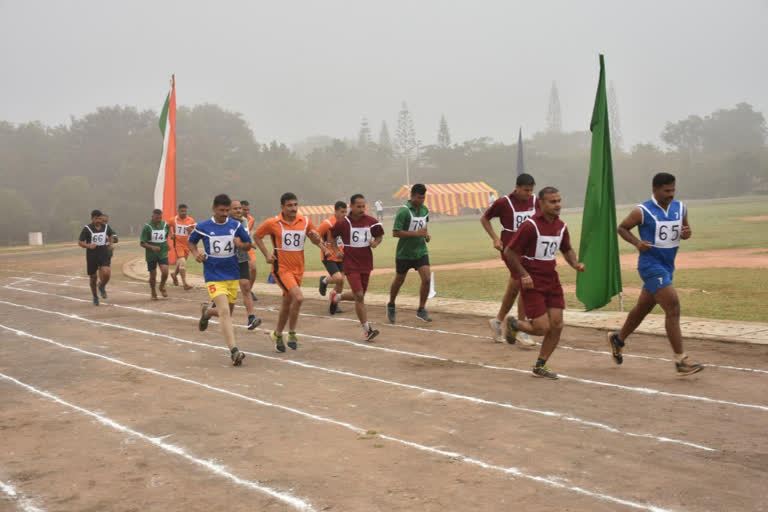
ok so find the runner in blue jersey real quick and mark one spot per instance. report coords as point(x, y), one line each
point(221, 236)
point(661, 223)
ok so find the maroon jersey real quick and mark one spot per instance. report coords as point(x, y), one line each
point(357, 236)
point(536, 244)
point(511, 213)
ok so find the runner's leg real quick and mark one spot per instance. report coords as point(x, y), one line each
point(426, 279)
point(645, 304)
point(282, 318)
point(223, 311)
point(509, 299)
point(552, 336)
point(667, 298)
point(296, 299)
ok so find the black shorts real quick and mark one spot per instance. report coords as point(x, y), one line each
point(245, 271)
point(333, 266)
point(402, 266)
point(94, 260)
point(152, 265)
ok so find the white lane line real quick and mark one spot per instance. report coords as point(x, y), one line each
point(208, 465)
point(25, 504)
point(411, 327)
point(477, 400)
point(550, 481)
point(370, 346)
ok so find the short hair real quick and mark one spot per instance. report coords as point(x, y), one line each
point(339, 205)
point(663, 178)
point(96, 213)
point(547, 190)
point(354, 198)
point(525, 180)
point(222, 200)
point(288, 196)
point(182, 205)
point(418, 188)
point(157, 211)
point(245, 202)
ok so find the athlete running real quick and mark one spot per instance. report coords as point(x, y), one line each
point(251, 254)
point(334, 264)
point(181, 226)
point(236, 212)
point(97, 239)
point(154, 239)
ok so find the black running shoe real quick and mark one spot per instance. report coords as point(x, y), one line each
point(103, 291)
point(544, 372)
point(323, 287)
point(333, 308)
point(278, 341)
point(203, 323)
point(253, 322)
point(424, 315)
point(616, 347)
point(95, 300)
point(512, 330)
point(685, 367)
point(391, 313)
point(237, 358)
point(371, 333)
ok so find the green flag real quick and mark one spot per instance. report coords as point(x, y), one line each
point(599, 249)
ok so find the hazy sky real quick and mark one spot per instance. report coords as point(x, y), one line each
point(301, 68)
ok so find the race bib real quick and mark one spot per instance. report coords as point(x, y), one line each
point(293, 240)
point(339, 242)
point(668, 233)
point(359, 237)
point(521, 217)
point(417, 223)
point(221, 246)
point(547, 247)
point(157, 236)
point(99, 238)
point(181, 230)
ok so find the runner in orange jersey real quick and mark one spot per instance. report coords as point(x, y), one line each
point(181, 227)
point(333, 263)
point(251, 254)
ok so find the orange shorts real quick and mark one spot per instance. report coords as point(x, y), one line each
point(182, 251)
point(287, 279)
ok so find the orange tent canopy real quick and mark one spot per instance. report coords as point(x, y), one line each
point(318, 213)
point(450, 198)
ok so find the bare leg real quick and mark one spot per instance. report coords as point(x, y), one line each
point(105, 273)
point(92, 282)
point(338, 280)
point(360, 309)
point(426, 279)
point(645, 304)
point(397, 282)
point(520, 307)
point(552, 337)
point(224, 313)
point(153, 282)
point(163, 279)
point(539, 326)
point(282, 318)
point(296, 300)
point(245, 287)
point(252, 272)
point(667, 299)
point(509, 299)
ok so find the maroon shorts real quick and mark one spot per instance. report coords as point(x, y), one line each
point(358, 281)
point(545, 294)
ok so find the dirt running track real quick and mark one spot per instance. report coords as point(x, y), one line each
point(129, 407)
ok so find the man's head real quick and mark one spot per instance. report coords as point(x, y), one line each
point(418, 194)
point(236, 210)
point(246, 207)
point(221, 205)
point(289, 205)
point(357, 205)
point(96, 216)
point(157, 215)
point(182, 211)
point(524, 187)
point(664, 188)
point(340, 209)
point(549, 201)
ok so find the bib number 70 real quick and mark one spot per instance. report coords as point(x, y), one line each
point(550, 248)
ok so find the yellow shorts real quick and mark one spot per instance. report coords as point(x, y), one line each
point(228, 288)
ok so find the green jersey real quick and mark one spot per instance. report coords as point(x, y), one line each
point(157, 235)
point(409, 218)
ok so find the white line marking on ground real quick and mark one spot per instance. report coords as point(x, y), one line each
point(551, 414)
point(550, 481)
point(24, 503)
point(208, 465)
point(402, 326)
point(634, 389)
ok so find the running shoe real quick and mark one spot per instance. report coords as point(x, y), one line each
point(371, 333)
point(95, 300)
point(616, 347)
point(512, 330)
point(323, 286)
point(544, 372)
point(237, 357)
point(391, 312)
point(203, 323)
point(253, 322)
point(424, 315)
point(686, 367)
point(333, 308)
point(293, 341)
point(254, 297)
point(278, 340)
point(496, 328)
point(175, 279)
point(525, 340)
point(103, 291)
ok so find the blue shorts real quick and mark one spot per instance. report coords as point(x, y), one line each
point(655, 279)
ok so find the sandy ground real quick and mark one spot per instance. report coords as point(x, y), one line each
point(127, 406)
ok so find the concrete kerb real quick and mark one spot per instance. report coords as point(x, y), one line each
point(693, 328)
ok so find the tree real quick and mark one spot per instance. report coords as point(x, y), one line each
point(614, 122)
point(685, 135)
point(737, 129)
point(554, 116)
point(364, 136)
point(405, 139)
point(443, 134)
point(16, 216)
point(385, 142)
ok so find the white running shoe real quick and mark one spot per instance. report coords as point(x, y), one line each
point(525, 340)
point(496, 330)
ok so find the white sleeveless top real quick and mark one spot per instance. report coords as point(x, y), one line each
point(546, 246)
point(519, 217)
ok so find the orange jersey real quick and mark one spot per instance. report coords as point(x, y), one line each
point(251, 252)
point(288, 239)
point(181, 228)
point(325, 233)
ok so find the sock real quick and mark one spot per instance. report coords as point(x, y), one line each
point(541, 362)
point(366, 326)
point(679, 357)
point(390, 304)
point(251, 317)
point(621, 341)
point(420, 309)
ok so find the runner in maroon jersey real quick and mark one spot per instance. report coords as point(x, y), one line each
point(531, 252)
point(359, 233)
point(512, 210)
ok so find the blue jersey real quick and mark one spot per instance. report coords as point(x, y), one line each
point(219, 246)
point(663, 229)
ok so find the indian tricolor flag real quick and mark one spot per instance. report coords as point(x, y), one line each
point(165, 187)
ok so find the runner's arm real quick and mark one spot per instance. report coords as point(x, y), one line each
point(199, 257)
point(573, 260)
point(634, 219)
point(258, 243)
point(686, 234)
point(489, 229)
point(397, 233)
point(376, 241)
point(511, 256)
